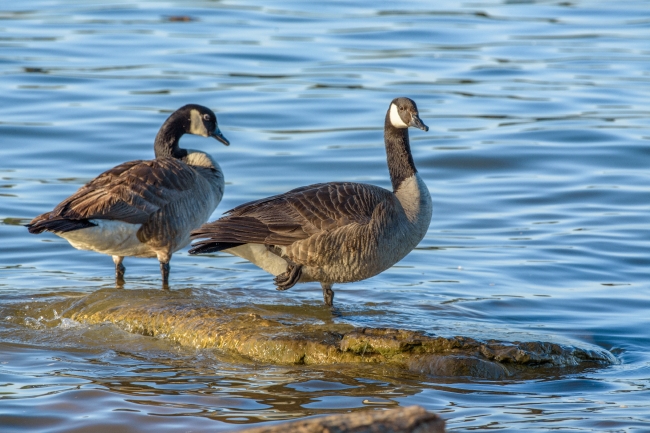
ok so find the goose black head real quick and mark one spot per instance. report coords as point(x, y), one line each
point(203, 122)
point(189, 119)
point(404, 113)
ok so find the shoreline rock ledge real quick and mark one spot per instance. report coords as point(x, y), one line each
point(262, 334)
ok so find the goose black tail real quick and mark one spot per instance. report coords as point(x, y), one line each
point(59, 225)
point(208, 246)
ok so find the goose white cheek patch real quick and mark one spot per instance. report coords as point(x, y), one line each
point(395, 119)
point(196, 124)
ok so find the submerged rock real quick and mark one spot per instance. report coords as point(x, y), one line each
point(263, 335)
point(412, 419)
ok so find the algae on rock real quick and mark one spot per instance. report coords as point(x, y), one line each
point(255, 334)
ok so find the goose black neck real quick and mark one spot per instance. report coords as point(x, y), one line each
point(398, 153)
point(166, 144)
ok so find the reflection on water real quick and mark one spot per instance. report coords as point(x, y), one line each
point(199, 385)
point(536, 160)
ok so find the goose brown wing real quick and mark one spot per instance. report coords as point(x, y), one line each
point(129, 192)
point(298, 214)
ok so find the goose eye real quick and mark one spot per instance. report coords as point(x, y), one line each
point(206, 117)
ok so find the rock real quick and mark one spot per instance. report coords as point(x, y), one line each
point(261, 334)
point(412, 419)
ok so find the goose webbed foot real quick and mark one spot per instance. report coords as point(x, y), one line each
point(328, 294)
point(164, 271)
point(288, 279)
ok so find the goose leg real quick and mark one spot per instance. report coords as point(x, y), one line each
point(119, 269)
point(289, 278)
point(164, 256)
point(328, 294)
point(164, 271)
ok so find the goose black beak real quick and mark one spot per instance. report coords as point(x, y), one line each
point(219, 136)
point(417, 123)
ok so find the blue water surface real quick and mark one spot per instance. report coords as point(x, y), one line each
point(537, 162)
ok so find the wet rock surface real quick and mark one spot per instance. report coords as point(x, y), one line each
point(260, 334)
point(412, 419)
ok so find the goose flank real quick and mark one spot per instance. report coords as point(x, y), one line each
point(145, 208)
point(337, 232)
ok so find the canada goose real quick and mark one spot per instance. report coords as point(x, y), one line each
point(336, 232)
point(145, 208)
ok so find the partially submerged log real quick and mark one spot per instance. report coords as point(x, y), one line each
point(262, 335)
point(412, 419)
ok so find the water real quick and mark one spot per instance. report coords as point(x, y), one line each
point(536, 161)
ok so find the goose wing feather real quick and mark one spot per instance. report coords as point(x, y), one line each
point(298, 214)
point(130, 192)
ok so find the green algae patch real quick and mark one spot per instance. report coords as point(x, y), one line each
point(263, 334)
